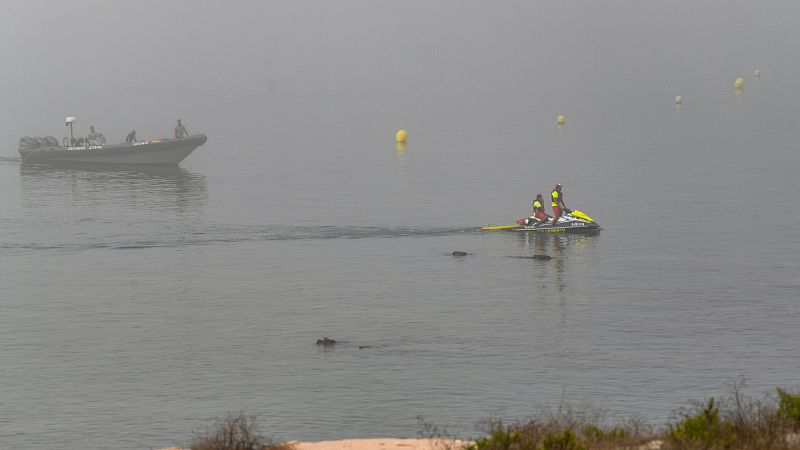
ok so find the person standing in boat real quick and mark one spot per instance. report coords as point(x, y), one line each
point(557, 202)
point(131, 139)
point(180, 130)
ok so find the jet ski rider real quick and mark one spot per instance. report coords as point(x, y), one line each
point(557, 202)
point(538, 210)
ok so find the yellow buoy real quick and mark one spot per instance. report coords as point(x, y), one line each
point(401, 146)
point(401, 136)
point(739, 83)
point(678, 100)
point(561, 120)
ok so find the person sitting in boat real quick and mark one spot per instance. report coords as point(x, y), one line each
point(92, 135)
point(539, 215)
point(180, 130)
point(95, 138)
point(557, 202)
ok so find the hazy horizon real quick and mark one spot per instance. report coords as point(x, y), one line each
point(398, 46)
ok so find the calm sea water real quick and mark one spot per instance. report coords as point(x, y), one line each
point(140, 304)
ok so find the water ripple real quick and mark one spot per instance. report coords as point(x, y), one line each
point(226, 234)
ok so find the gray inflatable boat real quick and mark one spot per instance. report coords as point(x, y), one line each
point(155, 151)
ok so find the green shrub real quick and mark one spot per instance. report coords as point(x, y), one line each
point(789, 406)
point(558, 434)
point(500, 438)
point(562, 441)
point(594, 434)
point(703, 430)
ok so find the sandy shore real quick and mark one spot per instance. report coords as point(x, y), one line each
point(405, 444)
point(398, 444)
point(380, 444)
point(374, 444)
point(429, 444)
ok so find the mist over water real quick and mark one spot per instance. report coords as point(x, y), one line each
point(138, 304)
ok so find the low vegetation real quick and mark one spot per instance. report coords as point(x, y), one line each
point(734, 422)
point(236, 432)
point(738, 423)
point(561, 433)
point(789, 408)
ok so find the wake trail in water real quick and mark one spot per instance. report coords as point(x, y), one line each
point(232, 235)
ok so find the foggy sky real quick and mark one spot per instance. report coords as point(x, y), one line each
point(354, 45)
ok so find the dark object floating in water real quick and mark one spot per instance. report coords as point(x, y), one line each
point(325, 342)
point(539, 257)
point(459, 253)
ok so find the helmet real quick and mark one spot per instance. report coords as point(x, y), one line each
point(557, 186)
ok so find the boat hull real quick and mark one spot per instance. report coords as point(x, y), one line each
point(573, 221)
point(544, 229)
point(153, 152)
point(589, 228)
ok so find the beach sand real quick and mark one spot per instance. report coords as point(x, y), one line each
point(381, 444)
point(374, 444)
point(408, 444)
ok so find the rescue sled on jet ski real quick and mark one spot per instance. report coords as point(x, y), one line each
point(572, 221)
